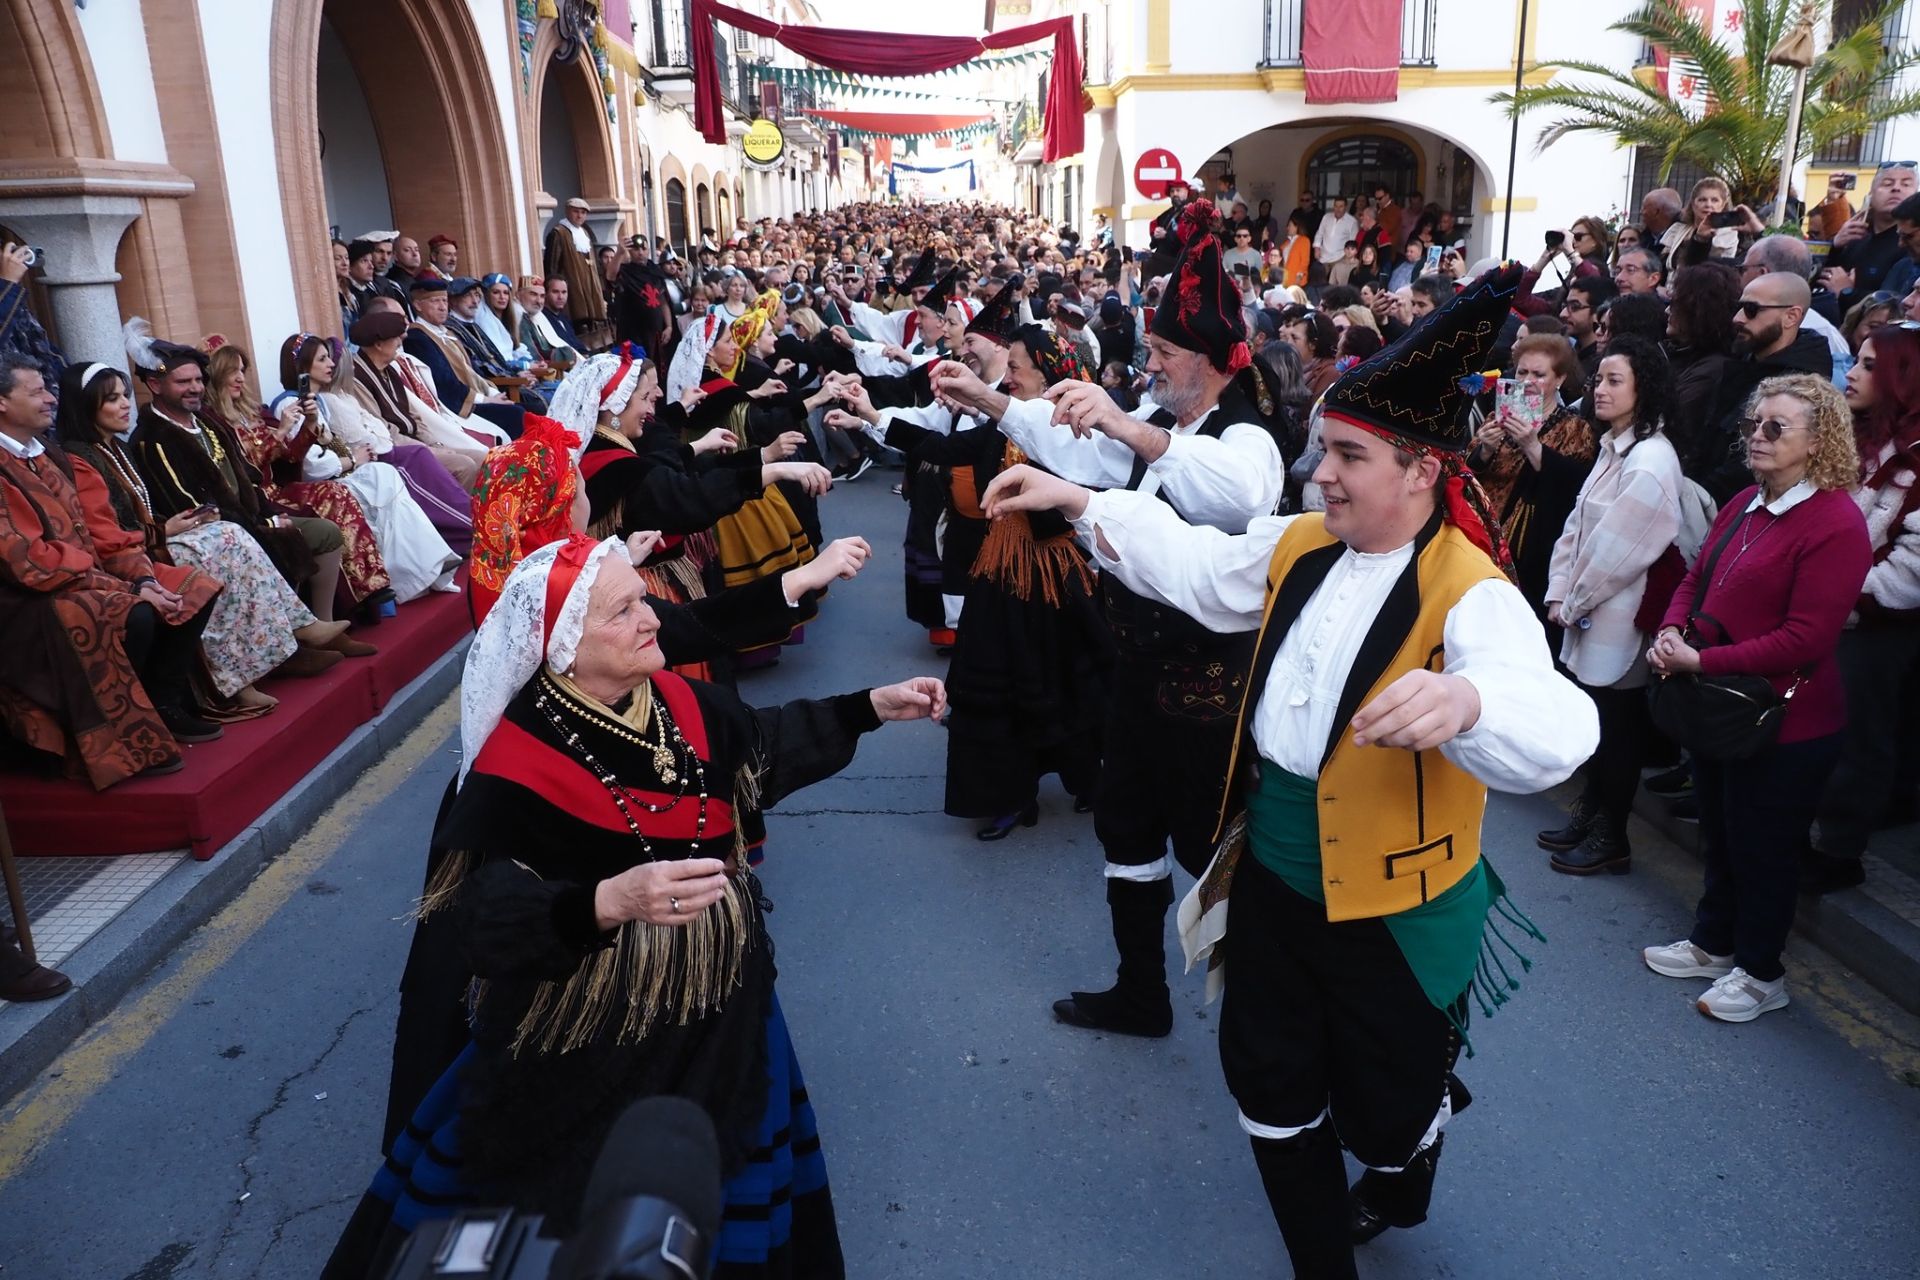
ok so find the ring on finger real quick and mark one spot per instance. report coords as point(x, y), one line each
point(674, 905)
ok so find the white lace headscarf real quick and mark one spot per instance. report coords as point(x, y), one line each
point(592, 388)
point(518, 635)
point(690, 361)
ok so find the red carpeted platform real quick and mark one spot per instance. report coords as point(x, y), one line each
point(228, 784)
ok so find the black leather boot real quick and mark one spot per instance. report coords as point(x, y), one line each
point(1579, 823)
point(1306, 1183)
point(1381, 1200)
point(1604, 849)
point(1139, 1004)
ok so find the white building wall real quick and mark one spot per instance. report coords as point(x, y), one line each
point(500, 41)
point(116, 39)
point(237, 36)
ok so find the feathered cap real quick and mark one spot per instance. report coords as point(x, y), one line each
point(151, 355)
point(1201, 310)
point(1412, 388)
point(923, 271)
point(1410, 396)
point(999, 319)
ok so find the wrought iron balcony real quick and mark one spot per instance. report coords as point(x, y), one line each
point(672, 36)
point(1285, 19)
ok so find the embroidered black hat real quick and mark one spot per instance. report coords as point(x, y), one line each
point(941, 294)
point(1201, 310)
point(1412, 388)
point(923, 271)
point(999, 317)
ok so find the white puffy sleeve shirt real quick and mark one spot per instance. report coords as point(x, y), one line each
point(1223, 482)
point(1535, 726)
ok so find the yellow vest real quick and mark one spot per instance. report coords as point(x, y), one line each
point(1397, 828)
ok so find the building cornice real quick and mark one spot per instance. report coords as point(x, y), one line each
point(69, 177)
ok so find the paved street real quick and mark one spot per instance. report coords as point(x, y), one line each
point(223, 1121)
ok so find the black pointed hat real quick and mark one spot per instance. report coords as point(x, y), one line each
point(1201, 310)
point(1412, 388)
point(943, 291)
point(999, 318)
point(923, 271)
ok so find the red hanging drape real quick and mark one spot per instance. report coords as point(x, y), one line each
point(1351, 51)
point(891, 53)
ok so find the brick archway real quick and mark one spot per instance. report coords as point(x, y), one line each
point(586, 113)
point(443, 146)
point(53, 110)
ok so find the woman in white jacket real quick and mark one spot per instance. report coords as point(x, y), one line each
point(1628, 513)
point(1880, 650)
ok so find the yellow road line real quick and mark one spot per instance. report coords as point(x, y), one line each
point(93, 1060)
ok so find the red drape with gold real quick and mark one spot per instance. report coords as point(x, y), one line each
point(891, 53)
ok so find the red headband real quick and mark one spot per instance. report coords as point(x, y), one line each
point(619, 375)
point(567, 565)
point(1464, 502)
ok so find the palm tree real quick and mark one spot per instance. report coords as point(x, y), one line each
point(1852, 86)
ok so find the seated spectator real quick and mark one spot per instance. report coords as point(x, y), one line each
point(256, 624)
point(191, 463)
point(343, 285)
point(558, 331)
point(383, 387)
point(1532, 467)
point(537, 331)
point(1768, 342)
point(297, 431)
point(364, 280)
point(1699, 342)
point(1867, 247)
point(98, 652)
point(1639, 271)
point(443, 260)
point(407, 262)
point(1627, 514)
point(468, 319)
point(1773, 607)
point(1581, 315)
point(1413, 257)
point(287, 478)
point(457, 384)
point(19, 330)
point(1879, 652)
point(1714, 227)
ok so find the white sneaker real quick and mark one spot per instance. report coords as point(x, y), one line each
point(1684, 960)
point(1741, 997)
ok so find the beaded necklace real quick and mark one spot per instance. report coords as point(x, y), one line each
point(128, 475)
point(691, 772)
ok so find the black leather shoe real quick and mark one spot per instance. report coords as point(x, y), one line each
point(1604, 849)
point(36, 983)
point(1580, 820)
point(1114, 1011)
point(1001, 828)
point(1381, 1200)
point(187, 727)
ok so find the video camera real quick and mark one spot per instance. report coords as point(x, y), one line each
point(651, 1212)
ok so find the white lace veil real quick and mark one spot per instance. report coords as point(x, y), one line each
point(691, 358)
point(577, 404)
point(511, 643)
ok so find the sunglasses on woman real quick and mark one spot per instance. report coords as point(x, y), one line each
point(1770, 429)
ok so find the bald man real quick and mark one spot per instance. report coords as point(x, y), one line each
point(1767, 341)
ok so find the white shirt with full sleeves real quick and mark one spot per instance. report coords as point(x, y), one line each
point(1535, 726)
point(1222, 482)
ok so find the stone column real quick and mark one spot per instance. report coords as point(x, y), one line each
point(81, 235)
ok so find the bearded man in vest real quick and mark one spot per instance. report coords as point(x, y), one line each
point(1202, 450)
point(1397, 676)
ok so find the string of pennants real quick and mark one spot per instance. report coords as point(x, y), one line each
point(822, 80)
point(851, 134)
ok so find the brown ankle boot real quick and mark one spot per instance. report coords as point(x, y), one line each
point(307, 661)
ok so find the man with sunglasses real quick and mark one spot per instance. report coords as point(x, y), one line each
point(1868, 247)
point(1906, 272)
point(1768, 340)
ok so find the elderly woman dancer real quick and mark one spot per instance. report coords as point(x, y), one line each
point(597, 878)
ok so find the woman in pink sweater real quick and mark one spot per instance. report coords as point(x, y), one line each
point(1793, 551)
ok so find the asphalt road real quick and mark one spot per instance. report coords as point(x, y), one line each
point(224, 1120)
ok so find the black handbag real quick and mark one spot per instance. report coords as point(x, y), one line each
point(1719, 717)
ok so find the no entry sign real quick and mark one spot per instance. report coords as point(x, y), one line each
point(1154, 171)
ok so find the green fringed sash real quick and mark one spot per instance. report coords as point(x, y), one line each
point(1453, 944)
